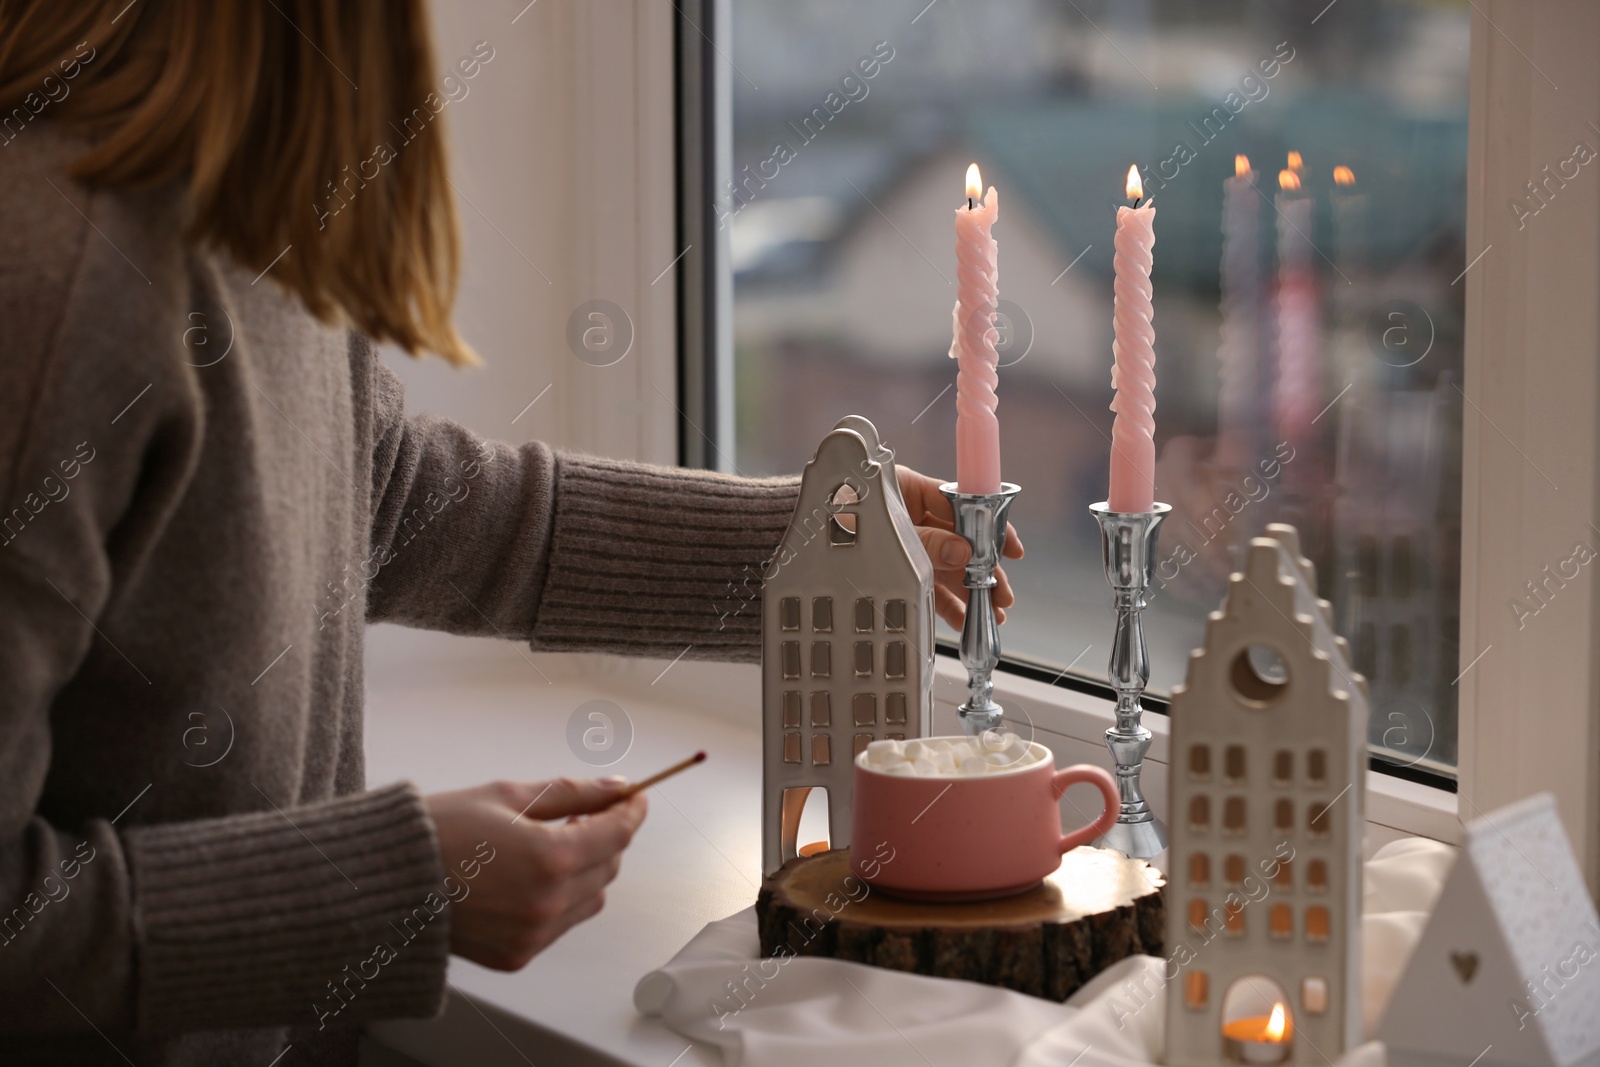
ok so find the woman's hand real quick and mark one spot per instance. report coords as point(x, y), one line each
point(541, 878)
point(949, 551)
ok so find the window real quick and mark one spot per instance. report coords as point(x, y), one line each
point(821, 659)
point(863, 659)
point(1317, 876)
point(1314, 995)
point(1317, 923)
point(1196, 990)
point(1233, 817)
point(1233, 917)
point(822, 614)
point(842, 522)
point(821, 709)
point(1322, 388)
point(1281, 921)
point(1283, 815)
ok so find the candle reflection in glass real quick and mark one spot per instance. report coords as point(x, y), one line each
point(1299, 387)
point(1241, 316)
point(1349, 221)
point(1349, 244)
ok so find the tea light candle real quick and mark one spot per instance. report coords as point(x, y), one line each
point(1258, 1038)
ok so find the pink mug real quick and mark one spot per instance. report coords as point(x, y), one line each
point(969, 837)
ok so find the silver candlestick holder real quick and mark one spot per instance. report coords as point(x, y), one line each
point(981, 519)
point(1128, 546)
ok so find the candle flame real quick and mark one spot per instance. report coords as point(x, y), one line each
point(1295, 162)
point(1343, 175)
point(1241, 166)
point(1135, 186)
point(974, 183)
point(1276, 1024)
point(1288, 180)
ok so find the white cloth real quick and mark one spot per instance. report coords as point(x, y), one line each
point(801, 1012)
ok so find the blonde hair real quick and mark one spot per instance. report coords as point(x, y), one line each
point(257, 106)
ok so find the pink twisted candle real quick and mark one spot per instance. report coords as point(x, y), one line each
point(973, 346)
point(1133, 370)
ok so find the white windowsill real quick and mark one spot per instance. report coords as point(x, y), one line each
point(449, 713)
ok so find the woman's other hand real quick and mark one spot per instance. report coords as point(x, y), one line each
point(949, 551)
point(542, 854)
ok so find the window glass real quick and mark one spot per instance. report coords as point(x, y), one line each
point(1308, 364)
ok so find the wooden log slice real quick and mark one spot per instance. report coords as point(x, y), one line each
point(1097, 908)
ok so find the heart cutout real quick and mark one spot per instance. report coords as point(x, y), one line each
point(1466, 965)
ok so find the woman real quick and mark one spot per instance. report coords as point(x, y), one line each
point(185, 531)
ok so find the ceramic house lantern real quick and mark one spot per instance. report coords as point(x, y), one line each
point(846, 632)
point(1268, 760)
point(1508, 968)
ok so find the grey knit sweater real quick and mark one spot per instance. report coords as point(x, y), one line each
point(195, 530)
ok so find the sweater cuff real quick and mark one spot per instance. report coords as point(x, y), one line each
point(659, 561)
point(323, 915)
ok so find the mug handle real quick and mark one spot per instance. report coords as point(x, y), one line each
point(1095, 776)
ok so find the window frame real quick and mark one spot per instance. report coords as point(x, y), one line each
point(614, 163)
point(1531, 321)
point(703, 102)
point(1533, 382)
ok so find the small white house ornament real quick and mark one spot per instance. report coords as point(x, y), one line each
point(846, 635)
point(1508, 968)
point(1268, 761)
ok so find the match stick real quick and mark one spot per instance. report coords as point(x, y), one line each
point(639, 787)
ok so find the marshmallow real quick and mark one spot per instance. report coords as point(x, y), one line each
point(942, 757)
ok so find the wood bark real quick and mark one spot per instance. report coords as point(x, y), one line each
point(1097, 908)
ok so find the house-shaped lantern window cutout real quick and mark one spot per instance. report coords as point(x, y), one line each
point(1508, 968)
point(1269, 743)
point(846, 635)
